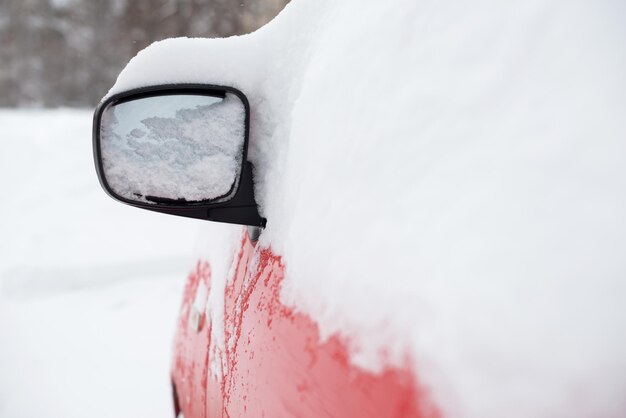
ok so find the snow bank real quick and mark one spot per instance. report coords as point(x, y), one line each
point(98, 352)
point(446, 180)
point(89, 288)
point(59, 231)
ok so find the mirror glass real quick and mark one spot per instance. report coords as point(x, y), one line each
point(186, 148)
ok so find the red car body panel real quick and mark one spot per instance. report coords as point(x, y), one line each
point(274, 364)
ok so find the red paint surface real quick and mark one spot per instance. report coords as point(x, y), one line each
point(274, 363)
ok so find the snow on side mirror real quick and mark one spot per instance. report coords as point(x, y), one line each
point(182, 147)
point(179, 150)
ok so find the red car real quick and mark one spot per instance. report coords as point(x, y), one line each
point(433, 206)
point(273, 362)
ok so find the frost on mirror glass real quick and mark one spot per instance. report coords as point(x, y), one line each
point(174, 147)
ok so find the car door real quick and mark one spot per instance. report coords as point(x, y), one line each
point(191, 345)
point(273, 362)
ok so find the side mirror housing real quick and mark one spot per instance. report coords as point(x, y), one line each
point(178, 149)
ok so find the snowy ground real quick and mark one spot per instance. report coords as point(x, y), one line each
point(89, 288)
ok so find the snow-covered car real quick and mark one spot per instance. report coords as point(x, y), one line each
point(433, 197)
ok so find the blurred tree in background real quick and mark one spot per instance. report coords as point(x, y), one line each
point(69, 52)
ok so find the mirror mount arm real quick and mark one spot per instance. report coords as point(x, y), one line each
point(241, 210)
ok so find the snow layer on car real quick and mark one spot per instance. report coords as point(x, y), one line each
point(444, 180)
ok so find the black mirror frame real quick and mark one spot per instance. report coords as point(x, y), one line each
point(240, 208)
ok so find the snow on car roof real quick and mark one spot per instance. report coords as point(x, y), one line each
point(444, 181)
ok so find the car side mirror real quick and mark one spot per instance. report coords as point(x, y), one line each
point(178, 149)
